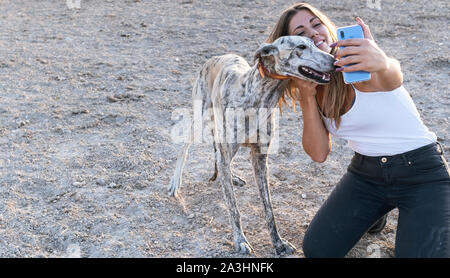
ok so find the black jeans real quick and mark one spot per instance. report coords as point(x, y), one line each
point(415, 182)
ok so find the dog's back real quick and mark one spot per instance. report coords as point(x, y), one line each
point(222, 72)
point(225, 65)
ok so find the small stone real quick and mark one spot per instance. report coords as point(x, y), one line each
point(23, 123)
point(112, 99)
point(42, 61)
point(304, 196)
point(81, 111)
point(100, 182)
point(77, 184)
point(113, 185)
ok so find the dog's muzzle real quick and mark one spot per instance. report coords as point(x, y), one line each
point(319, 77)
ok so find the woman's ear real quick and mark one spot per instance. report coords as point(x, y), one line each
point(266, 50)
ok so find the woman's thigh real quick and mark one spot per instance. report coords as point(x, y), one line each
point(423, 228)
point(350, 210)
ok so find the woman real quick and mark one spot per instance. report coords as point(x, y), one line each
point(397, 163)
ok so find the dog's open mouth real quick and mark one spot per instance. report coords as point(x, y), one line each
point(319, 77)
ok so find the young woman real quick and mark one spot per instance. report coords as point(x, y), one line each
point(397, 163)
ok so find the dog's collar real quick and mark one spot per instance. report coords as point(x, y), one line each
point(263, 71)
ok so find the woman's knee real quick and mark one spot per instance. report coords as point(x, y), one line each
point(313, 247)
point(321, 243)
point(309, 249)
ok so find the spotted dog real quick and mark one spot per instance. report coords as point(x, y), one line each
point(228, 82)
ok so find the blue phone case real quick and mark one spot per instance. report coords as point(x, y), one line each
point(352, 32)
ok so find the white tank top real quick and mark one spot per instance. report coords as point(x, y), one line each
point(382, 124)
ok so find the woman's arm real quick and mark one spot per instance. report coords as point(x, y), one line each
point(386, 73)
point(316, 139)
point(390, 78)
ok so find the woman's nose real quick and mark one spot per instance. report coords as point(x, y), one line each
point(314, 33)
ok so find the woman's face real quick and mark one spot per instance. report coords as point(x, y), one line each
point(304, 23)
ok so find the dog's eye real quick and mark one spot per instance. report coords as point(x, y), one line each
point(302, 46)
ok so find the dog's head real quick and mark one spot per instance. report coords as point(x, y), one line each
point(297, 56)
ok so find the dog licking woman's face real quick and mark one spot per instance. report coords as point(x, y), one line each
point(304, 23)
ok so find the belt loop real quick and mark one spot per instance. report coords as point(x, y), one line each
point(405, 159)
point(362, 160)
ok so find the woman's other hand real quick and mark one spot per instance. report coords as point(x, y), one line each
point(306, 88)
point(367, 56)
point(363, 53)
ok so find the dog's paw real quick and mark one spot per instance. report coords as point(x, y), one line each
point(237, 181)
point(173, 188)
point(285, 248)
point(244, 247)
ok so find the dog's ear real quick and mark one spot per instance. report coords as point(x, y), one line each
point(266, 50)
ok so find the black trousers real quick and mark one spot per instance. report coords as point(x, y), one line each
point(415, 182)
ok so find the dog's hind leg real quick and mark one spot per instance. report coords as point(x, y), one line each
point(259, 163)
point(237, 181)
point(214, 176)
point(224, 156)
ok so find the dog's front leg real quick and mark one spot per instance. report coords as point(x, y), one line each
point(224, 156)
point(259, 163)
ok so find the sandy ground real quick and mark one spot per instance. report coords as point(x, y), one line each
point(86, 103)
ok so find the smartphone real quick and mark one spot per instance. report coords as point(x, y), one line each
point(352, 32)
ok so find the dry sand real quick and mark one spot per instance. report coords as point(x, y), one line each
point(86, 99)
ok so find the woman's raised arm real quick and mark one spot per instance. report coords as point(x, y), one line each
point(365, 54)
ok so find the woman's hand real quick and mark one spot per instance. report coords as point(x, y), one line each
point(367, 56)
point(307, 89)
point(365, 53)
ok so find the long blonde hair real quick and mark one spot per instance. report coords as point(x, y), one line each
point(335, 98)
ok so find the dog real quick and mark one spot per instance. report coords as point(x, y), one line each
point(228, 82)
